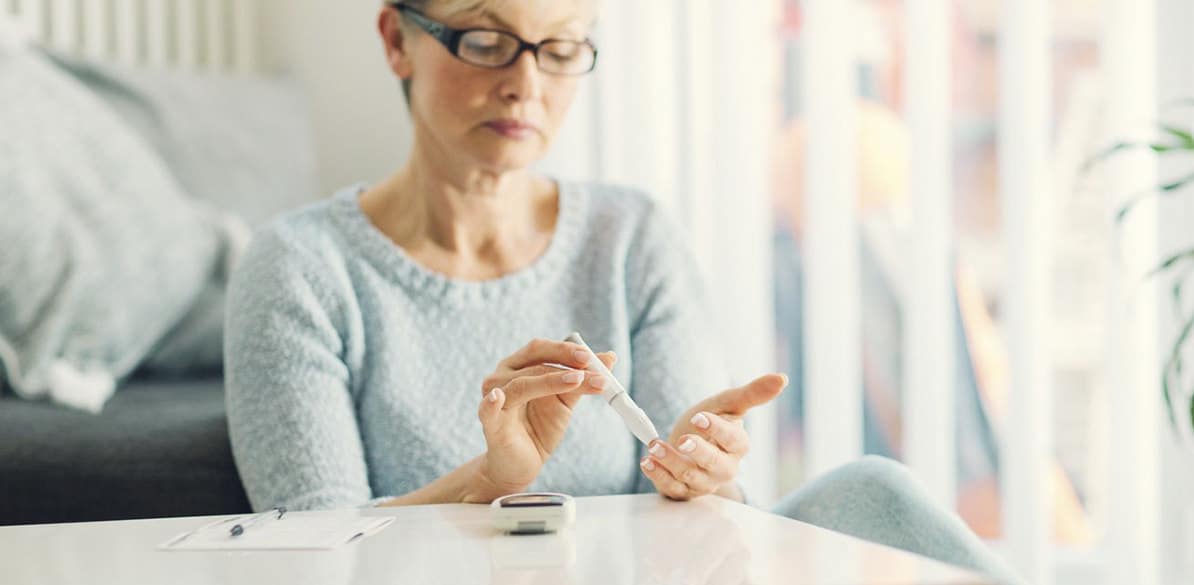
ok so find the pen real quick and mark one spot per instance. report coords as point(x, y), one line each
point(239, 528)
point(616, 396)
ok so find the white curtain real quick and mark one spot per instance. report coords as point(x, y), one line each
point(682, 105)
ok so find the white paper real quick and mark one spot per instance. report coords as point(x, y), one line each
point(295, 532)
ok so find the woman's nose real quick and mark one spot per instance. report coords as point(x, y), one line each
point(524, 80)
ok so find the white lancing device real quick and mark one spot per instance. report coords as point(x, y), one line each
point(616, 396)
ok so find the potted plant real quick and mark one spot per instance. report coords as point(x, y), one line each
point(1172, 140)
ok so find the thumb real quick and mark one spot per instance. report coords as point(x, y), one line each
point(737, 401)
point(490, 410)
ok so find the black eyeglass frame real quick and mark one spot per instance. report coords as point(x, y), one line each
point(450, 38)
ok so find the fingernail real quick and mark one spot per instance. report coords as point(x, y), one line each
point(688, 446)
point(658, 451)
point(573, 377)
point(493, 395)
point(581, 356)
point(648, 464)
point(597, 381)
point(700, 420)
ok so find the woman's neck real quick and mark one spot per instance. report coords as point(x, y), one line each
point(473, 225)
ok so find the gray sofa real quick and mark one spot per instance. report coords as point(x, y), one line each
point(160, 448)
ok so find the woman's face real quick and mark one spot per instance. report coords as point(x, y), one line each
point(496, 120)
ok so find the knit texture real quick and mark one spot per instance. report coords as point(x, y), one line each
point(353, 372)
point(880, 500)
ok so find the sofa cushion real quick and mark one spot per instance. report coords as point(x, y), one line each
point(160, 448)
point(242, 144)
point(103, 251)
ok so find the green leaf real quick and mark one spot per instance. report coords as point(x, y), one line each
point(1164, 188)
point(1107, 153)
point(1179, 282)
point(1170, 261)
point(1173, 366)
point(1167, 393)
point(1177, 296)
point(1176, 361)
point(1178, 184)
point(1156, 147)
point(1127, 207)
point(1183, 135)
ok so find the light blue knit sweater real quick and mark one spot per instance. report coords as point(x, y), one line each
point(354, 373)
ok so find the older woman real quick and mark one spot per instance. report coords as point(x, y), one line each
point(368, 333)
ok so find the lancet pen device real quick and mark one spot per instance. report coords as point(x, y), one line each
point(617, 397)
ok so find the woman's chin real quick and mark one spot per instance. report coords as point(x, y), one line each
point(507, 159)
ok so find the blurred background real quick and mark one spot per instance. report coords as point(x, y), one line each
point(893, 203)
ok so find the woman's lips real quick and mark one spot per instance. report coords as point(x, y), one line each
point(513, 129)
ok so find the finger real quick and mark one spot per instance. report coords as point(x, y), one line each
point(540, 351)
point(590, 384)
point(490, 410)
point(608, 358)
point(522, 390)
point(570, 399)
point(665, 483)
point(598, 381)
point(727, 434)
point(737, 401)
point(720, 465)
point(683, 469)
point(593, 382)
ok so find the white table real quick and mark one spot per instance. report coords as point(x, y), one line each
point(616, 539)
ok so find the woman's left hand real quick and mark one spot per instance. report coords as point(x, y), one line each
point(708, 442)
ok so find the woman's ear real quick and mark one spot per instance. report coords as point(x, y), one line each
point(389, 25)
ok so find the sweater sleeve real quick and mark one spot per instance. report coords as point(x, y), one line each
point(676, 359)
point(291, 411)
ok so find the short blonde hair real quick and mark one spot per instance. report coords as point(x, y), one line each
point(452, 7)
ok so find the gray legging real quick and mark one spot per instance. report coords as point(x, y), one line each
point(879, 500)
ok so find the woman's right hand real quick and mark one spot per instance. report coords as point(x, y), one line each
point(525, 409)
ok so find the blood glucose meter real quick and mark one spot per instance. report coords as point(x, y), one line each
point(533, 513)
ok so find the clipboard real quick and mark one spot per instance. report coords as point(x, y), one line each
point(293, 532)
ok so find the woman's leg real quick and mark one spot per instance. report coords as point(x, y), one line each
point(879, 500)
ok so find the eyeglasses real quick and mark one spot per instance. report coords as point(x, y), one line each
point(494, 49)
